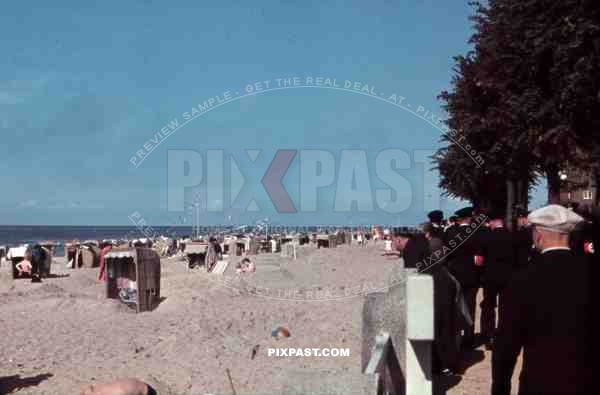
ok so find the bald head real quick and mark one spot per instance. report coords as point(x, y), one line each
point(544, 238)
point(127, 386)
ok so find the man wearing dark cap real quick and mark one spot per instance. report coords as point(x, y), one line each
point(415, 248)
point(547, 311)
point(465, 245)
point(499, 257)
point(435, 219)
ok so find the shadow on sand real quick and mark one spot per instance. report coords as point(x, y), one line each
point(9, 384)
point(468, 358)
point(58, 276)
point(442, 384)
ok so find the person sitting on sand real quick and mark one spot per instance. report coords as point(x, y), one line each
point(24, 267)
point(246, 266)
point(119, 387)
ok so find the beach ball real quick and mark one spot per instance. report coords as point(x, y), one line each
point(280, 332)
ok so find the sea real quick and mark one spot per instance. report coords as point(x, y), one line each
point(20, 234)
point(14, 235)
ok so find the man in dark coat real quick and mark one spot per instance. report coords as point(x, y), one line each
point(499, 257)
point(415, 249)
point(38, 257)
point(547, 310)
point(445, 350)
point(523, 240)
point(436, 218)
point(464, 258)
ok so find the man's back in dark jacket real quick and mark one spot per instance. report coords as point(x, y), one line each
point(416, 252)
point(500, 256)
point(523, 244)
point(464, 242)
point(546, 311)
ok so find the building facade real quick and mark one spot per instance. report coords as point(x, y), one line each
point(578, 187)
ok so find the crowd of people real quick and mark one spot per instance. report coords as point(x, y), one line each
point(537, 276)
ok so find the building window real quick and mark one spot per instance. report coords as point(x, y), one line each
point(587, 195)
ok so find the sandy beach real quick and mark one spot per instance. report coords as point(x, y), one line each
point(65, 333)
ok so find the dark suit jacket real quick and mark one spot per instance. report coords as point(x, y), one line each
point(523, 242)
point(546, 311)
point(500, 257)
point(465, 242)
point(416, 252)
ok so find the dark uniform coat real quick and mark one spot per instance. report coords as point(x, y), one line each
point(465, 242)
point(523, 244)
point(547, 311)
point(499, 266)
point(446, 320)
point(500, 257)
point(416, 252)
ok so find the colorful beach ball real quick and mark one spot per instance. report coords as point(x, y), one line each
point(280, 332)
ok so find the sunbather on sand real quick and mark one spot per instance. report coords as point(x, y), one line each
point(24, 266)
point(246, 266)
point(119, 387)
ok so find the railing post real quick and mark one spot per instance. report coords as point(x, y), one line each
point(420, 334)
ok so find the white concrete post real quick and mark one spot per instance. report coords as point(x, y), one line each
point(419, 334)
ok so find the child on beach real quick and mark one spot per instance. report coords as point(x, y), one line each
point(24, 267)
point(359, 239)
point(246, 266)
point(388, 246)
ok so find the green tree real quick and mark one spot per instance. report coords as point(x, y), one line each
point(527, 97)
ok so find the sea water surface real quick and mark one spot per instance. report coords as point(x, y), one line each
point(11, 235)
point(17, 234)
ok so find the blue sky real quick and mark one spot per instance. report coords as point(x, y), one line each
point(84, 87)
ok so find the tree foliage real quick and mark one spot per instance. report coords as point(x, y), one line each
point(526, 98)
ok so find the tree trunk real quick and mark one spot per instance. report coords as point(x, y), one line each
point(510, 204)
point(522, 198)
point(553, 184)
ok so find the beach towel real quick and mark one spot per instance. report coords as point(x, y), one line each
point(128, 296)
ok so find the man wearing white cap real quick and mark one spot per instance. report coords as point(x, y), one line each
point(546, 311)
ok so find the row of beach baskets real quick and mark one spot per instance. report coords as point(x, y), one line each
point(133, 274)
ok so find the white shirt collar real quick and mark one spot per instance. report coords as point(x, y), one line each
point(555, 249)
